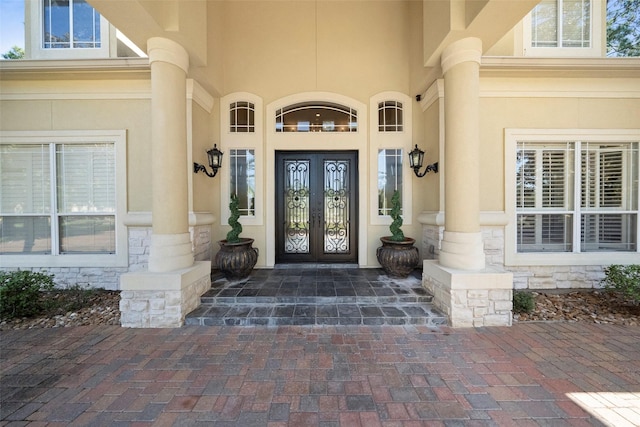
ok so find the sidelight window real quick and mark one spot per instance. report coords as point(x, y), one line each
point(389, 178)
point(243, 179)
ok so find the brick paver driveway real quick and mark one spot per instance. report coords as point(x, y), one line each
point(529, 374)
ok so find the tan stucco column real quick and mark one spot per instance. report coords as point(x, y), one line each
point(170, 242)
point(462, 246)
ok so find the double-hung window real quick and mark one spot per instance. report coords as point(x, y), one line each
point(564, 27)
point(70, 24)
point(576, 196)
point(58, 200)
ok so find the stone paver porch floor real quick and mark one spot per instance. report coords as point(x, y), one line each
point(535, 374)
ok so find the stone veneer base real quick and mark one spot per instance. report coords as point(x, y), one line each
point(162, 300)
point(470, 298)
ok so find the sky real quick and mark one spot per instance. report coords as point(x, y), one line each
point(11, 24)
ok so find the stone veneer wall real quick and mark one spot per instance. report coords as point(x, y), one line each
point(109, 277)
point(162, 308)
point(524, 277)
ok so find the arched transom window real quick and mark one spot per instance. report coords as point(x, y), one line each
point(316, 117)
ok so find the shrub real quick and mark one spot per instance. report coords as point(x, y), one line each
point(233, 236)
point(396, 232)
point(523, 302)
point(21, 293)
point(74, 298)
point(624, 279)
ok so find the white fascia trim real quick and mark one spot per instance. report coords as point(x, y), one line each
point(557, 87)
point(75, 90)
point(199, 95)
point(434, 93)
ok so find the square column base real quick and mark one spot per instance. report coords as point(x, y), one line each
point(162, 300)
point(470, 298)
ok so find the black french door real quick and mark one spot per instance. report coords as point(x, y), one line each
point(316, 206)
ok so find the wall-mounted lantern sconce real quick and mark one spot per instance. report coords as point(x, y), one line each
point(416, 157)
point(215, 162)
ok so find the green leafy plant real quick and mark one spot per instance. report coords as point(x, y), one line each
point(74, 297)
point(624, 279)
point(523, 302)
point(396, 232)
point(21, 293)
point(233, 236)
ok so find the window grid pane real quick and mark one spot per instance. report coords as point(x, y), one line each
point(389, 178)
point(25, 235)
point(242, 117)
point(25, 179)
point(87, 234)
point(390, 116)
point(243, 180)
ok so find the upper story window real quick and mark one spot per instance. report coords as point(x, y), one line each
point(564, 28)
point(70, 29)
point(390, 116)
point(316, 117)
point(70, 24)
point(242, 117)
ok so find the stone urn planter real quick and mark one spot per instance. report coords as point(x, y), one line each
point(236, 260)
point(398, 258)
point(236, 257)
point(397, 255)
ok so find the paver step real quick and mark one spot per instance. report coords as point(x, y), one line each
point(316, 296)
point(331, 313)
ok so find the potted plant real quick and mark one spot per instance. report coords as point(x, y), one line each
point(397, 255)
point(236, 257)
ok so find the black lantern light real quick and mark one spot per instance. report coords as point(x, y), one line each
point(416, 157)
point(215, 162)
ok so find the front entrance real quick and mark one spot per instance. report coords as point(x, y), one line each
point(316, 206)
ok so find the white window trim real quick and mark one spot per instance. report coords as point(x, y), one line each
point(121, 256)
point(34, 38)
point(391, 140)
point(512, 137)
point(598, 26)
point(241, 141)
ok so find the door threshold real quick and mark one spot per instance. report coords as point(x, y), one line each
point(314, 265)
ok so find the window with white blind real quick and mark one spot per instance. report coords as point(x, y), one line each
point(564, 27)
point(58, 198)
point(576, 197)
